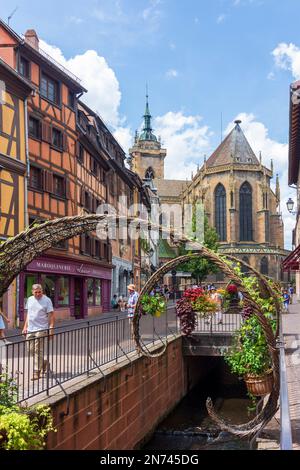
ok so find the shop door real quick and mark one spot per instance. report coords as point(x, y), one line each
point(78, 298)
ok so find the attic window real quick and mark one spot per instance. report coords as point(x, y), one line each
point(249, 160)
point(238, 159)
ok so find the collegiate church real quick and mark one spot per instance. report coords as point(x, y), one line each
point(234, 187)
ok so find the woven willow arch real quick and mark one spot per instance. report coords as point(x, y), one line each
point(269, 410)
point(17, 252)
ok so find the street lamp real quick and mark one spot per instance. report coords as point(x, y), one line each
point(290, 206)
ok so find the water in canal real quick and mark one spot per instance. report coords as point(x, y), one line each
point(189, 427)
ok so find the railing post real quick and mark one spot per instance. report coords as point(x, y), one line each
point(88, 349)
point(117, 337)
point(48, 362)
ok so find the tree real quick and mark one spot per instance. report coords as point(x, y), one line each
point(200, 267)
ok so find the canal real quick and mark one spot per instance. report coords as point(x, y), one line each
point(189, 426)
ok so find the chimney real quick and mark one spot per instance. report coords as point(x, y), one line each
point(32, 39)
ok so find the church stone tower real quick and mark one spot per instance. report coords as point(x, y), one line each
point(147, 156)
point(235, 189)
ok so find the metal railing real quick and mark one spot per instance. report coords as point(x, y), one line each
point(75, 350)
point(227, 323)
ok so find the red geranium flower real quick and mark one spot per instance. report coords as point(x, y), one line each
point(232, 289)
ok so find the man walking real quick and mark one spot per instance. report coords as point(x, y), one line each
point(39, 319)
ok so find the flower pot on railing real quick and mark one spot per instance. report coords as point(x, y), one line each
point(259, 385)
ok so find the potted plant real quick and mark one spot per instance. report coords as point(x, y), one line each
point(249, 357)
point(153, 305)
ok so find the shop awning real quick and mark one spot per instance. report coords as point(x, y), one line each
point(291, 263)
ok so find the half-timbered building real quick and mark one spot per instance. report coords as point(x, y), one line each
point(14, 92)
point(75, 166)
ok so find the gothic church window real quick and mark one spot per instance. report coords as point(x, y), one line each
point(220, 212)
point(264, 266)
point(246, 223)
point(244, 269)
point(149, 174)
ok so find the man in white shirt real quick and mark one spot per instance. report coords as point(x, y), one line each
point(39, 319)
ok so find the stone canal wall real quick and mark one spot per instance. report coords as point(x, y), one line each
point(119, 410)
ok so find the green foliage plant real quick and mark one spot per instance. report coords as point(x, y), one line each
point(21, 428)
point(249, 353)
point(154, 305)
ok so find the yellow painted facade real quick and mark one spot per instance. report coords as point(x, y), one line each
point(12, 166)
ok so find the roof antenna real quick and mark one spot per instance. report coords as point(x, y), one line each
point(11, 15)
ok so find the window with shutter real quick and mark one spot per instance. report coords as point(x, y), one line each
point(65, 143)
point(82, 244)
point(34, 127)
point(48, 181)
point(59, 186)
point(82, 196)
point(35, 178)
point(57, 138)
point(46, 132)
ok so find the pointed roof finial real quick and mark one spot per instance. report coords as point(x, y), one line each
point(147, 130)
point(237, 122)
point(277, 188)
point(260, 157)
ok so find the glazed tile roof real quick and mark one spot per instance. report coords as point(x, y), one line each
point(234, 147)
point(169, 188)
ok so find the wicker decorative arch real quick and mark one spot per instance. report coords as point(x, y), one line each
point(17, 252)
point(253, 426)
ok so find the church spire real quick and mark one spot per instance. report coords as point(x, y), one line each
point(147, 131)
point(147, 116)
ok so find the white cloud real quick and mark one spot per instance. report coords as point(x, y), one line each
point(271, 76)
point(186, 140)
point(221, 18)
point(104, 93)
point(124, 136)
point(258, 136)
point(287, 57)
point(171, 73)
point(152, 13)
point(75, 20)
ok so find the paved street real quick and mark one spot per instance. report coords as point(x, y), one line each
point(291, 329)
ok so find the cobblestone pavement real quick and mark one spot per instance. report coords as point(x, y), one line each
point(291, 329)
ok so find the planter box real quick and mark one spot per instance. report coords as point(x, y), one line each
point(259, 385)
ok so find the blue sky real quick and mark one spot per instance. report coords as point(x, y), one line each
point(200, 58)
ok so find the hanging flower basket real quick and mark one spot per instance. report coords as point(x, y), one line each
point(195, 303)
point(154, 305)
point(259, 385)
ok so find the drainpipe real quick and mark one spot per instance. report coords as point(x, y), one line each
point(26, 216)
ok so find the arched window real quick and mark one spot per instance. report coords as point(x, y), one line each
point(264, 266)
point(246, 224)
point(220, 212)
point(149, 175)
point(244, 269)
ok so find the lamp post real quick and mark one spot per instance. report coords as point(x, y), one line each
point(290, 206)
